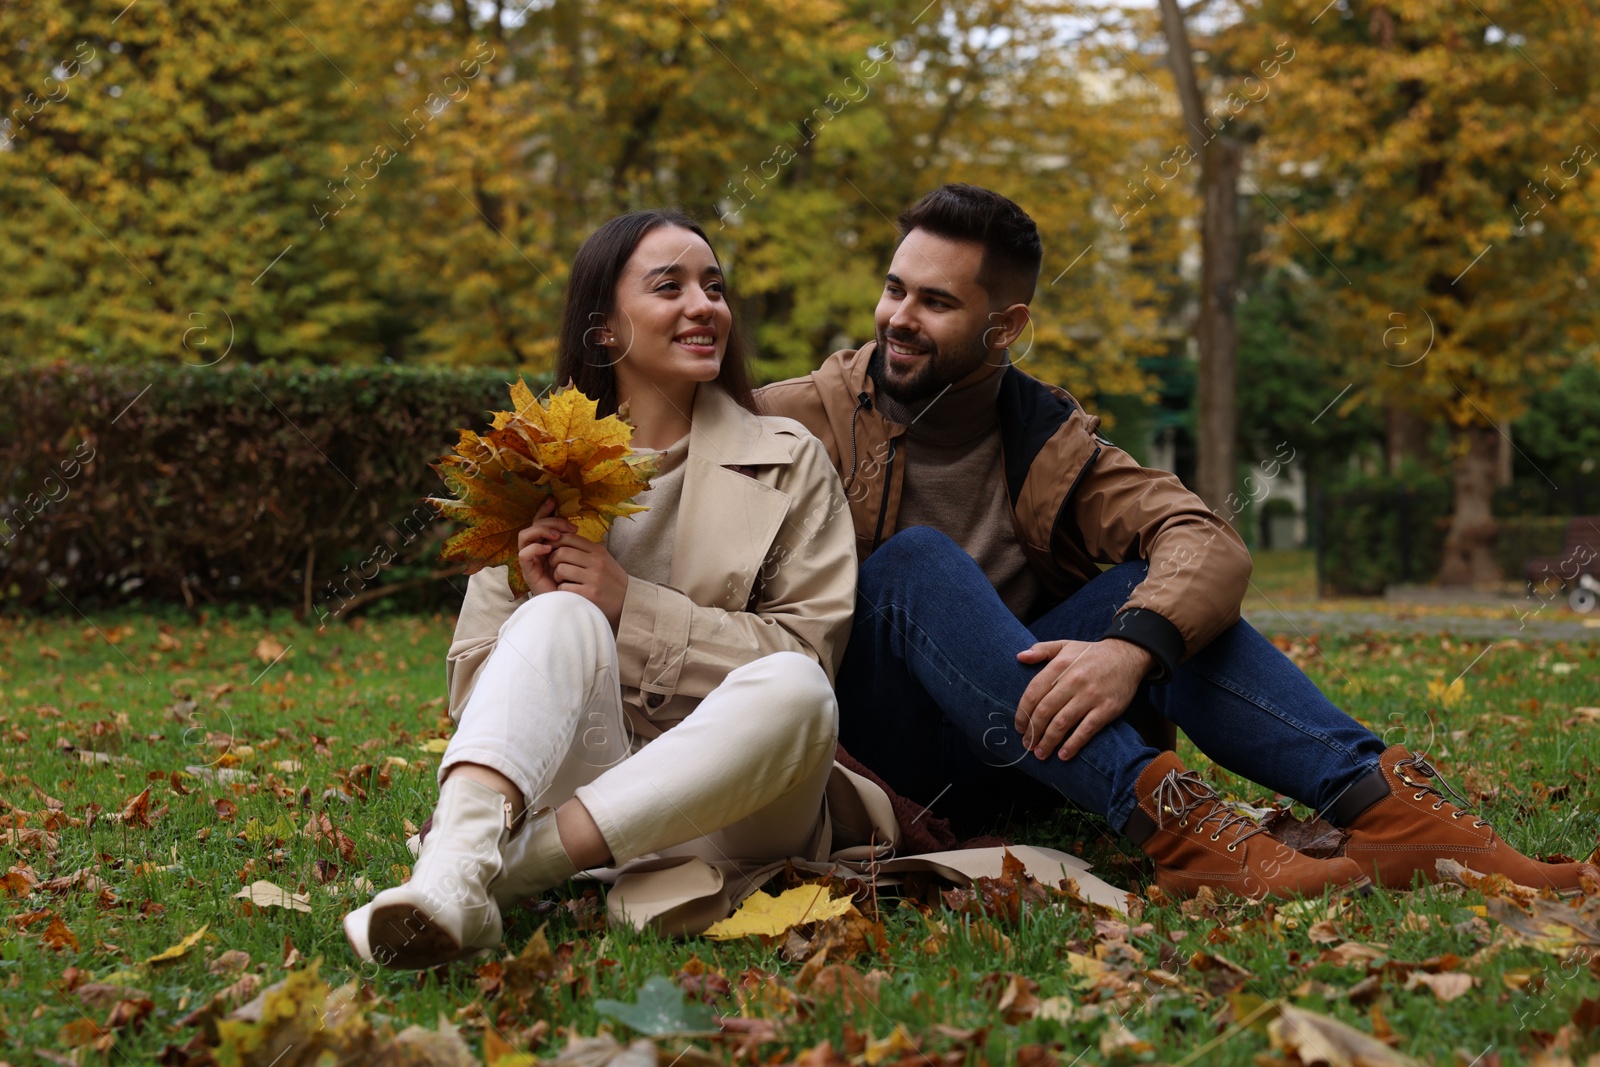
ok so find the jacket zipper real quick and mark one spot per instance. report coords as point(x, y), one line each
point(862, 401)
point(883, 505)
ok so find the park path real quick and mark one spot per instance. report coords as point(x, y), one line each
point(1549, 625)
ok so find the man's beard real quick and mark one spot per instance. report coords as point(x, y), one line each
point(940, 370)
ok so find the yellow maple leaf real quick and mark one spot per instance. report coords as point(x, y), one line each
point(499, 480)
point(769, 916)
point(181, 947)
point(1448, 695)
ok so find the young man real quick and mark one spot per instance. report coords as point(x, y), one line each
point(988, 648)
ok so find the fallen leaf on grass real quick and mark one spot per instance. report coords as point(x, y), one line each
point(1316, 1039)
point(1019, 1001)
point(218, 774)
point(606, 1051)
point(1314, 837)
point(82, 879)
point(843, 937)
point(80, 1032)
point(86, 755)
point(1446, 987)
point(265, 894)
point(56, 936)
point(898, 1044)
point(854, 991)
point(1548, 925)
point(1449, 695)
point(99, 995)
point(660, 1009)
point(136, 812)
point(231, 962)
point(1490, 885)
point(268, 649)
point(29, 839)
point(255, 831)
point(180, 948)
point(19, 881)
point(1008, 896)
point(320, 829)
point(435, 744)
point(768, 916)
point(1349, 954)
point(300, 1022)
point(1117, 1040)
point(1086, 971)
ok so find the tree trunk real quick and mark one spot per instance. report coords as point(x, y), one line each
point(1469, 546)
point(1405, 437)
point(1504, 471)
point(1221, 160)
point(1217, 421)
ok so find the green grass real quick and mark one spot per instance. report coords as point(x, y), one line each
point(1287, 574)
point(357, 694)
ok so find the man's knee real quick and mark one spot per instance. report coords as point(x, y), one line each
point(911, 553)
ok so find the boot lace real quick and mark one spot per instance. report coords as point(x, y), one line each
point(1418, 762)
point(1182, 794)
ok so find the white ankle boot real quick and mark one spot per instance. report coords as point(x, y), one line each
point(533, 860)
point(446, 911)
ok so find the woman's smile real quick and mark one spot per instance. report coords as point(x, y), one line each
point(700, 340)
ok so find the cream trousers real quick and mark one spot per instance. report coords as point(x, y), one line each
point(740, 779)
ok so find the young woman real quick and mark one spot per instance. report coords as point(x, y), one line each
point(670, 688)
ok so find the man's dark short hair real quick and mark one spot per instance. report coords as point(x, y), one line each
point(1011, 248)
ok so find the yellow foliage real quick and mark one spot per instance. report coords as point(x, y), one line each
point(533, 452)
point(1450, 695)
point(768, 916)
point(181, 948)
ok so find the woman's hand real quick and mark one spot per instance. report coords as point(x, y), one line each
point(588, 569)
point(535, 544)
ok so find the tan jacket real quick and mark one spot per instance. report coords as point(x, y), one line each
point(1076, 500)
point(757, 568)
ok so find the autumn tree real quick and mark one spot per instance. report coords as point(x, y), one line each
point(157, 172)
point(408, 181)
point(1435, 167)
point(1218, 146)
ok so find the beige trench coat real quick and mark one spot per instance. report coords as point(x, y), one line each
point(763, 561)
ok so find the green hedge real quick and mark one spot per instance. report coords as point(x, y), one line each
point(1377, 532)
point(1383, 531)
point(250, 484)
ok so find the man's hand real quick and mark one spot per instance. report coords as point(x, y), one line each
point(1084, 686)
point(588, 569)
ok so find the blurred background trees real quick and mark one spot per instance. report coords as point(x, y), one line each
point(396, 182)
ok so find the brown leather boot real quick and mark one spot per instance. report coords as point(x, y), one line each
point(1400, 824)
point(1197, 840)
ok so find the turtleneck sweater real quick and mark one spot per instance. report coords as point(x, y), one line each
point(955, 482)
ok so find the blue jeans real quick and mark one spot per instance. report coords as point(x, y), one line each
point(930, 683)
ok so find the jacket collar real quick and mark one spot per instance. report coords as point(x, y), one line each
point(726, 520)
point(728, 435)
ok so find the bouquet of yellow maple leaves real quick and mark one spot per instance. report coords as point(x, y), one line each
point(502, 478)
